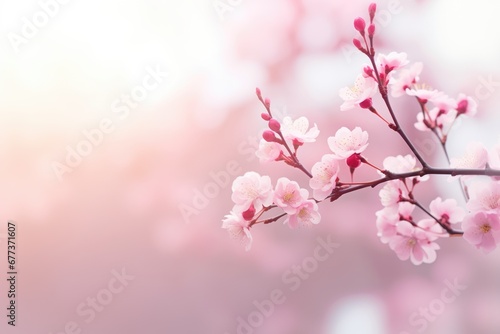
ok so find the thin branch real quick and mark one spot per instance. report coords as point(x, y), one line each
point(397, 127)
point(337, 193)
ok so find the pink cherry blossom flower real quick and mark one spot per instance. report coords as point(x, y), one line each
point(238, 229)
point(424, 94)
point(433, 229)
point(346, 142)
point(387, 218)
point(484, 196)
point(391, 193)
point(447, 210)
point(436, 118)
point(427, 122)
point(482, 230)
point(403, 164)
point(466, 105)
point(289, 196)
point(413, 243)
point(392, 61)
point(407, 78)
point(307, 215)
point(299, 130)
point(252, 188)
point(475, 156)
point(400, 164)
point(405, 210)
point(443, 102)
point(324, 177)
point(268, 151)
point(363, 89)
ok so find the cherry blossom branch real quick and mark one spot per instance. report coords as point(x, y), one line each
point(447, 228)
point(397, 127)
point(369, 51)
point(337, 193)
point(253, 194)
point(267, 221)
point(276, 128)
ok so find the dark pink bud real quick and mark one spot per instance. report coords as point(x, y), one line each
point(267, 102)
point(383, 74)
point(269, 136)
point(366, 104)
point(359, 25)
point(265, 116)
point(259, 94)
point(462, 106)
point(354, 161)
point(249, 214)
point(371, 10)
point(357, 44)
point(368, 71)
point(371, 30)
point(274, 125)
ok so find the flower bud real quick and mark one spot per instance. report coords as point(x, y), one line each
point(274, 125)
point(366, 104)
point(368, 71)
point(249, 214)
point(270, 137)
point(265, 116)
point(462, 106)
point(357, 44)
point(354, 161)
point(371, 10)
point(259, 94)
point(371, 30)
point(359, 25)
point(267, 102)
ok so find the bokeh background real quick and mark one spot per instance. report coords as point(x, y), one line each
point(133, 203)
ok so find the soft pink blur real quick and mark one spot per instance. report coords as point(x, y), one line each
point(121, 207)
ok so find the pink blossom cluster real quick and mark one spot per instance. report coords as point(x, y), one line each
point(481, 225)
point(409, 227)
point(254, 194)
point(407, 237)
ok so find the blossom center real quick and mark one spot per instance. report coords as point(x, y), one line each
point(355, 90)
point(302, 213)
point(485, 228)
point(288, 196)
point(326, 176)
point(411, 242)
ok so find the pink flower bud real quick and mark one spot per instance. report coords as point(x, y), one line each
point(371, 30)
point(267, 102)
point(249, 214)
point(371, 10)
point(269, 136)
point(462, 106)
point(354, 161)
point(366, 104)
point(259, 94)
point(265, 116)
point(274, 125)
point(357, 44)
point(368, 71)
point(359, 25)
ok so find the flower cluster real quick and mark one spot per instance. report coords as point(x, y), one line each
point(253, 195)
point(409, 227)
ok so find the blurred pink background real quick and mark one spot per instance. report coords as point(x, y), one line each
point(119, 209)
